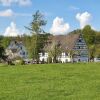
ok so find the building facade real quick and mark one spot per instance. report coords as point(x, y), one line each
point(16, 50)
point(81, 50)
point(73, 48)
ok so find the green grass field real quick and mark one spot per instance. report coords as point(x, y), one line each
point(50, 82)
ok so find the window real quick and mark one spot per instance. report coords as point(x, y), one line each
point(23, 53)
point(79, 47)
point(21, 48)
point(66, 54)
point(46, 54)
point(79, 40)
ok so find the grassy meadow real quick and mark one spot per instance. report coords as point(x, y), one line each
point(80, 81)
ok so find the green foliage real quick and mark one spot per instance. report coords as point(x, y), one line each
point(37, 23)
point(76, 31)
point(89, 35)
point(97, 38)
point(28, 42)
point(92, 51)
point(2, 51)
point(5, 41)
point(22, 62)
point(92, 39)
point(97, 50)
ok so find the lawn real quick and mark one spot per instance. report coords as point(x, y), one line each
point(50, 82)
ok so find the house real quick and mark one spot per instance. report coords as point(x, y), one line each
point(16, 50)
point(73, 48)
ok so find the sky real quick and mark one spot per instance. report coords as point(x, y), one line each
point(62, 16)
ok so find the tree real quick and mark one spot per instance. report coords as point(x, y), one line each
point(2, 51)
point(89, 35)
point(97, 45)
point(72, 53)
point(54, 51)
point(6, 41)
point(90, 38)
point(97, 38)
point(92, 52)
point(36, 29)
point(27, 40)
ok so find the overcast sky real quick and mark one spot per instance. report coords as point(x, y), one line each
point(62, 15)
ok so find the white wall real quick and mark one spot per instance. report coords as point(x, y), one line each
point(96, 59)
point(64, 59)
point(43, 57)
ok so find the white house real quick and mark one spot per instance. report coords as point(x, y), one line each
point(16, 49)
point(74, 48)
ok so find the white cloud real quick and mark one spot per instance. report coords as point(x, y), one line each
point(11, 30)
point(10, 13)
point(6, 2)
point(59, 26)
point(73, 8)
point(25, 2)
point(6, 13)
point(83, 18)
point(19, 2)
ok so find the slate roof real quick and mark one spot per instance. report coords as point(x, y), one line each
point(66, 41)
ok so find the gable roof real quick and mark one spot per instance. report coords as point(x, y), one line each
point(66, 41)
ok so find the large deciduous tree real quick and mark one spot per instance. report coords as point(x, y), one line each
point(89, 34)
point(36, 28)
point(90, 37)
